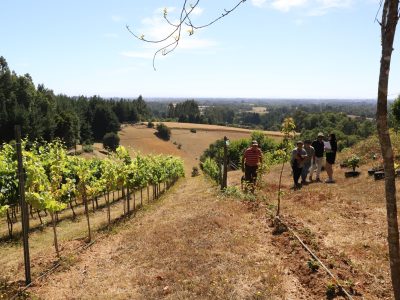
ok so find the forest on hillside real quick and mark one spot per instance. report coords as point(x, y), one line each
point(46, 116)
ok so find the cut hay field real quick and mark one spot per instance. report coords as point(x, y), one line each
point(192, 145)
point(207, 127)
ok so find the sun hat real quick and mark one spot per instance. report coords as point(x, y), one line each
point(255, 143)
point(299, 142)
point(320, 134)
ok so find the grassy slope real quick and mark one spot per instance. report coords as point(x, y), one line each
point(344, 223)
point(192, 245)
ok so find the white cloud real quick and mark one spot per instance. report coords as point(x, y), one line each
point(111, 35)
point(138, 54)
point(197, 11)
point(160, 10)
point(117, 18)
point(156, 28)
point(310, 7)
point(322, 7)
point(258, 3)
point(286, 5)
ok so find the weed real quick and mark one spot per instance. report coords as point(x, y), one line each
point(195, 171)
point(313, 265)
point(330, 290)
point(88, 148)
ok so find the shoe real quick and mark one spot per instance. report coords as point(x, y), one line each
point(310, 179)
point(329, 181)
point(318, 180)
point(304, 182)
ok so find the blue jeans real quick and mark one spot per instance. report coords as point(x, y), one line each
point(304, 171)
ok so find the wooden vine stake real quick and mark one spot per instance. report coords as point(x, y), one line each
point(24, 206)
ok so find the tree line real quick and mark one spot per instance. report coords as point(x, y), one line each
point(46, 116)
point(309, 118)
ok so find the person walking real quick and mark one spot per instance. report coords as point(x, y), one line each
point(308, 161)
point(251, 159)
point(318, 158)
point(297, 162)
point(330, 150)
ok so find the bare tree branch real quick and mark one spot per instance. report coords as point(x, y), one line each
point(176, 29)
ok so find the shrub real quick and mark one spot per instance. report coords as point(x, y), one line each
point(150, 125)
point(195, 171)
point(193, 130)
point(88, 148)
point(353, 162)
point(163, 131)
point(210, 167)
point(111, 141)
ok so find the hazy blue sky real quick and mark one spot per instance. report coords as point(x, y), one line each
point(265, 49)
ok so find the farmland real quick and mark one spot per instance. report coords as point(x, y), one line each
point(340, 222)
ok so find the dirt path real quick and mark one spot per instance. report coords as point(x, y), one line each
point(190, 245)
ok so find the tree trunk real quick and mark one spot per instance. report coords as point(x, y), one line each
point(134, 201)
point(108, 208)
point(84, 196)
point(128, 198)
point(9, 224)
point(73, 211)
point(40, 218)
point(388, 24)
point(53, 221)
point(14, 214)
point(279, 191)
point(93, 209)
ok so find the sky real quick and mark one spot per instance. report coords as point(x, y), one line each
point(313, 49)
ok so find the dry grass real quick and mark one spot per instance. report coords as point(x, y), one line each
point(71, 235)
point(348, 217)
point(190, 246)
point(176, 125)
point(192, 145)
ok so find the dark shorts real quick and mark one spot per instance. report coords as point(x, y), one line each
point(250, 173)
point(330, 157)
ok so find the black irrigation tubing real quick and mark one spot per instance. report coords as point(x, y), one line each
point(51, 270)
point(316, 258)
point(320, 262)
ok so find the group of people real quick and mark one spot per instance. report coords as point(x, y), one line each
point(306, 158)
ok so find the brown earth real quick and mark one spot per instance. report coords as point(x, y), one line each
point(344, 222)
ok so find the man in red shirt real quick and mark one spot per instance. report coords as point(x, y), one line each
point(252, 157)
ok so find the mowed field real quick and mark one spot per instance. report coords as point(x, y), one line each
point(183, 142)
